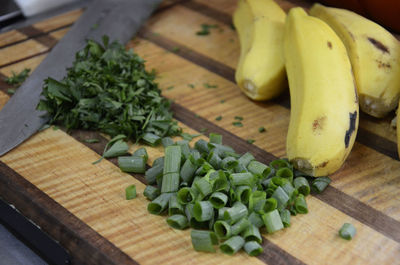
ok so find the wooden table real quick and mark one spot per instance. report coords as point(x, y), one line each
point(51, 180)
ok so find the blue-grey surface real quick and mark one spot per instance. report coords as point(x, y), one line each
point(14, 252)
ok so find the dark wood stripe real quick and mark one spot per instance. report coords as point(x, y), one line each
point(85, 244)
point(210, 12)
point(24, 58)
point(47, 40)
point(360, 211)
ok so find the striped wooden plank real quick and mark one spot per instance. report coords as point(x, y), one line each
point(363, 204)
point(11, 37)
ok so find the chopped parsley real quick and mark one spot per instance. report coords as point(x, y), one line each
point(17, 79)
point(237, 124)
point(207, 85)
point(218, 118)
point(205, 29)
point(261, 129)
point(250, 141)
point(239, 118)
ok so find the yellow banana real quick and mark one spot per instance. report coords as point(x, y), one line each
point(374, 54)
point(260, 72)
point(324, 105)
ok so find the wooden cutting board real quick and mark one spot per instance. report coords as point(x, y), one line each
point(51, 180)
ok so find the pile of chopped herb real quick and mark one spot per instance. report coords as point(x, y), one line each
point(108, 89)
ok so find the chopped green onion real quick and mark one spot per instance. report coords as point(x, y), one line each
point(215, 138)
point(237, 124)
point(159, 204)
point(203, 186)
point(301, 184)
point(214, 160)
point(239, 179)
point(130, 192)
point(174, 207)
point(232, 245)
point(170, 182)
point(203, 240)
point(289, 189)
point(221, 213)
point(252, 233)
point(221, 183)
point(281, 197)
point(235, 213)
point(178, 221)
point(186, 195)
point(203, 169)
point(90, 141)
point(229, 163)
point(300, 204)
point(239, 118)
point(253, 248)
point(243, 194)
point(141, 152)
point(218, 200)
point(258, 168)
point(151, 192)
point(153, 173)
point(240, 226)
point(151, 139)
point(203, 211)
point(347, 231)
point(185, 148)
point(256, 219)
point(240, 169)
point(159, 162)
point(255, 198)
point(279, 163)
point(202, 146)
point(133, 164)
point(120, 147)
point(167, 141)
point(245, 159)
point(270, 205)
point(285, 172)
point(218, 118)
point(320, 183)
point(222, 229)
point(285, 217)
point(187, 171)
point(261, 129)
point(272, 221)
point(172, 159)
point(250, 141)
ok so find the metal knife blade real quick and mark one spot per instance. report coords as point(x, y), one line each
point(119, 19)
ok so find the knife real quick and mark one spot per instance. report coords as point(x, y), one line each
point(119, 19)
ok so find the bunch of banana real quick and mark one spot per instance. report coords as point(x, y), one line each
point(260, 25)
point(374, 54)
point(324, 104)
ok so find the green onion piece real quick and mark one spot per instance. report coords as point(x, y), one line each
point(286, 173)
point(218, 200)
point(151, 192)
point(228, 153)
point(221, 213)
point(255, 198)
point(222, 229)
point(89, 141)
point(221, 183)
point(347, 231)
point(319, 184)
point(270, 205)
point(280, 163)
point(203, 186)
point(203, 169)
point(141, 152)
point(232, 245)
point(240, 169)
point(240, 226)
point(203, 240)
point(153, 173)
point(301, 184)
point(185, 148)
point(196, 154)
point(203, 211)
point(292, 210)
point(243, 194)
point(239, 179)
point(256, 219)
point(272, 221)
point(172, 159)
point(159, 204)
point(261, 129)
point(158, 162)
point(281, 197)
point(258, 168)
point(229, 163)
point(119, 148)
point(289, 189)
point(221, 149)
point(214, 160)
point(174, 207)
point(235, 213)
point(252, 233)
point(215, 138)
point(133, 164)
point(285, 217)
point(187, 171)
point(130, 192)
point(300, 204)
point(170, 182)
point(245, 159)
point(202, 146)
point(178, 221)
point(167, 141)
point(253, 248)
point(151, 139)
point(186, 195)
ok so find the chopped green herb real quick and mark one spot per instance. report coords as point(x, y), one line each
point(237, 124)
point(130, 192)
point(261, 129)
point(92, 140)
point(347, 231)
point(108, 89)
point(176, 49)
point(218, 118)
point(188, 136)
point(17, 79)
point(46, 126)
point(250, 141)
point(11, 91)
point(239, 118)
point(222, 101)
point(207, 85)
point(55, 128)
point(205, 29)
point(191, 85)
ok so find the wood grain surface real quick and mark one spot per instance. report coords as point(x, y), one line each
point(51, 180)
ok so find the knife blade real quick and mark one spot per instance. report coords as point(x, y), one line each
point(119, 19)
